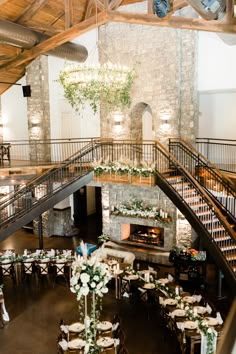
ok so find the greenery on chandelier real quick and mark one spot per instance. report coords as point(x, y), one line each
point(107, 85)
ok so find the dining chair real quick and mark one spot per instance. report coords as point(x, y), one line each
point(61, 341)
point(27, 269)
point(59, 271)
point(1, 318)
point(7, 269)
point(125, 287)
point(43, 270)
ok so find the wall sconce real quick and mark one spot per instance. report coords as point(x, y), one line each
point(165, 117)
point(117, 117)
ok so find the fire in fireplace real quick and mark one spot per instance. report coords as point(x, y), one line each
point(146, 234)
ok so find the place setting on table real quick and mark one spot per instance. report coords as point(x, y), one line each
point(192, 322)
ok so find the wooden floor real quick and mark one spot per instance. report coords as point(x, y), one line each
point(35, 311)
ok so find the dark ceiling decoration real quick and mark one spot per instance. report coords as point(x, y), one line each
point(161, 7)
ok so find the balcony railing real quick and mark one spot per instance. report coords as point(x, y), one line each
point(38, 152)
point(222, 152)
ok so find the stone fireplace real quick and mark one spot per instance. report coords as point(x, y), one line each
point(146, 235)
point(150, 240)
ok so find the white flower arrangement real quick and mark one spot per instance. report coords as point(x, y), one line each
point(123, 167)
point(89, 275)
point(138, 209)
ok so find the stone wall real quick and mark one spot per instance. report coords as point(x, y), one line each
point(165, 62)
point(38, 109)
point(115, 195)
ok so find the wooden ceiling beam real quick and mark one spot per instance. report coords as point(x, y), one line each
point(114, 4)
point(89, 7)
point(99, 5)
point(172, 22)
point(229, 11)
point(69, 20)
point(150, 7)
point(31, 10)
point(46, 28)
point(57, 40)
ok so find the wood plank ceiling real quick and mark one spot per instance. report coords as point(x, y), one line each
point(63, 20)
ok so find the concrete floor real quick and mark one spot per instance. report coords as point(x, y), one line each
point(35, 310)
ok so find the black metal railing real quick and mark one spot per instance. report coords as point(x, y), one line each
point(206, 173)
point(49, 151)
point(218, 230)
point(21, 201)
point(222, 152)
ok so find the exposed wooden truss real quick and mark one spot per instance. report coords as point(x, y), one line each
point(69, 21)
point(65, 20)
point(31, 10)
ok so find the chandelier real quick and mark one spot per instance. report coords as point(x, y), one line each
point(108, 84)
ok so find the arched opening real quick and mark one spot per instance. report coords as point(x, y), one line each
point(141, 122)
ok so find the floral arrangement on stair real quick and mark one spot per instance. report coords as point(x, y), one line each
point(90, 277)
point(124, 171)
point(136, 208)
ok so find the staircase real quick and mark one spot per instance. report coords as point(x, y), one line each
point(201, 210)
point(208, 175)
point(208, 218)
point(210, 221)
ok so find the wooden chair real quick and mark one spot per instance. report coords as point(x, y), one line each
point(27, 268)
point(7, 269)
point(43, 270)
point(60, 349)
point(59, 271)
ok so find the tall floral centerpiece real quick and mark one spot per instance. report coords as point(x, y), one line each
point(90, 277)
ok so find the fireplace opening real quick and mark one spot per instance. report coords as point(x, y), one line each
point(147, 235)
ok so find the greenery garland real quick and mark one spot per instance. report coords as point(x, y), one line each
point(112, 94)
point(120, 168)
point(137, 208)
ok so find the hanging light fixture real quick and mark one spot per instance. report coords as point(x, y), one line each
point(107, 84)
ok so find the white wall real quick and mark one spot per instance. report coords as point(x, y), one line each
point(65, 122)
point(14, 113)
point(217, 87)
point(217, 69)
point(217, 114)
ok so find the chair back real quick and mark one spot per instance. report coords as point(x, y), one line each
point(7, 267)
point(27, 266)
point(60, 268)
point(43, 267)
